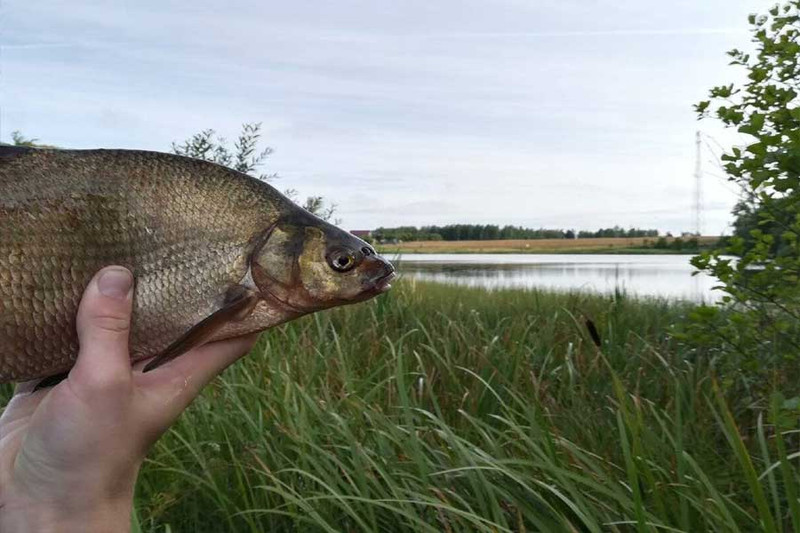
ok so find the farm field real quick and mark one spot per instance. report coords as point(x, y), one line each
point(541, 246)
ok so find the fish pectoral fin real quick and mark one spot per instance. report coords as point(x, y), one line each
point(238, 304)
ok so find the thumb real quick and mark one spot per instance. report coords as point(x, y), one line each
point(104, 319)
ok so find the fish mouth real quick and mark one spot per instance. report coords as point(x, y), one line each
point(384, 283)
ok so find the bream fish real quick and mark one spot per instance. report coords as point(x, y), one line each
point(215, 253)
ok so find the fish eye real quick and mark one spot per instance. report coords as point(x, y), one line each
point(341, 260)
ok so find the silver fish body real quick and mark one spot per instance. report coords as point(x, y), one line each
point(215, 253)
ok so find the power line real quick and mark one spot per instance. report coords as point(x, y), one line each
point(698, 186)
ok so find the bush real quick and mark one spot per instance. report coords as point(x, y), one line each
point(757, 325)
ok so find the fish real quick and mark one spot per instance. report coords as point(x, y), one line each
point(215, 254)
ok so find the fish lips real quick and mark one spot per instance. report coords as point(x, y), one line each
point(384, 283)
point(381, 280)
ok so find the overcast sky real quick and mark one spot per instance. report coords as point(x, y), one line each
point(541, 113)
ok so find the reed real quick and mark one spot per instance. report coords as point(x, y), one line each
point(451, 409)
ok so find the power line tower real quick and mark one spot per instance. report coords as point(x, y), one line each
point(698, 186)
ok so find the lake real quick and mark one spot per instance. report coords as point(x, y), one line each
point(668, 276)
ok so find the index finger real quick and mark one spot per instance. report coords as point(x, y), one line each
point(195, 369)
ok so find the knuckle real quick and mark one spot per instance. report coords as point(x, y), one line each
point(110, 381)
point(108, 385)
point(113, 324)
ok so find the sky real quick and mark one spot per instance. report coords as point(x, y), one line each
point(540, 113)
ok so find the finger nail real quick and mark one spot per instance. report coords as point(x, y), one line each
point(115, 283)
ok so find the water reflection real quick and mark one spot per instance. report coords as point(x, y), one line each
point(667, 276)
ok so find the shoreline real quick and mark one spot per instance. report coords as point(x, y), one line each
point(621, 245)
point(560, 251)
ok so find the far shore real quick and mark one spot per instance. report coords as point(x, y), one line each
point(621, 245)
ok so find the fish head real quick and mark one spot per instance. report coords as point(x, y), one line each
point(309, 264)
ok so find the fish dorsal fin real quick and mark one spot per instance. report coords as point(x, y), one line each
point(239, 303)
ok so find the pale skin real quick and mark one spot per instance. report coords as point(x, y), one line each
point(70, 454)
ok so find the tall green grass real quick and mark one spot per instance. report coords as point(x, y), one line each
point(450, 409)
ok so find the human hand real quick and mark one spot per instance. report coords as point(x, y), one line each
point(70, 454)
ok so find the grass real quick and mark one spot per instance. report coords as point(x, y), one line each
point(446, 409)
point(438, 408)
point(637, 245)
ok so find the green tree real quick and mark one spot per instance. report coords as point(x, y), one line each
point(17, 139)
point(246, 157)
point(759, 320)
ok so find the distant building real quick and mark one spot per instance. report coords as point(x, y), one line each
point(362, 233)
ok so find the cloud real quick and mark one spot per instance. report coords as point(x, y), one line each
point(537, 113)
point(629, 32)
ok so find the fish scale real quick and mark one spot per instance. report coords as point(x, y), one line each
point(62, 218)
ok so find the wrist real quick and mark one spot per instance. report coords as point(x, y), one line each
point(79, 509)
point(86, 499)
point(106, 516)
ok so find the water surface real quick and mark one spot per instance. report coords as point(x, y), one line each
point(668, 276)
